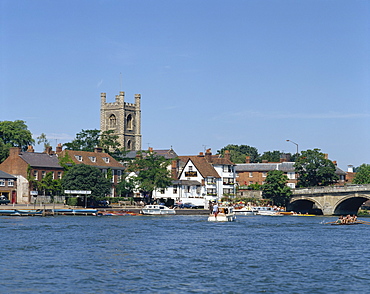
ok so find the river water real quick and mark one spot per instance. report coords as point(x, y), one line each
point(182, 254)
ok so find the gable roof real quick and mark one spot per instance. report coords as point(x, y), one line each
point(4, 175)
point(205, 168)
point(36, 159)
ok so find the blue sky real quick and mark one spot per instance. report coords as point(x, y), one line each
point(211, 73)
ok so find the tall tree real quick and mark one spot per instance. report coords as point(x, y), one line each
point(314, 169)
point(238, 153)
point(275, 188)
point(42, 139)
point(87, 140)
point(362, 174)
point(272, 156)
point(87, 178)
point(152, 172)
point(14, 134)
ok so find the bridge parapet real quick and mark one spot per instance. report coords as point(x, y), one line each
point(331, 190)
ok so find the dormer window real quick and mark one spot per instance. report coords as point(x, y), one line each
point(78, 157)
point(106, 159)
point(92, 158)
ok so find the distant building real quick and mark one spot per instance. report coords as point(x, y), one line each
point(256, 173)
point(24, 165)
point(8, 186)
point(124, 119)
point(201, 178)
point(103, 161)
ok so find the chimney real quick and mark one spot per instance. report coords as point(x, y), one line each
point(150, 149)
point(14, 151)
point(227, 154)
point(247, 159)
point(59, 148)
point(174, 169)
point(265, 161)
point(326, 155)
point(30, 149)
point(350, 168)
point(201, 154)
point(208, 155)
point(48, 150)
point(335, 162)
point(98, 149)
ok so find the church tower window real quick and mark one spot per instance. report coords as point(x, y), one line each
point(112, 121)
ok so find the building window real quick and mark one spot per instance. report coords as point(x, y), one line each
point(43, 174)
point(190, 168)
point(291, 175)
point(112, 121)
point(250, 174)
point(2, 183)
point(129, 122)
point(211, 181)
point(264, 174)
point(174, 189)
point(227, 169)
point(59, 175)
point(10, 183)
point(119, 175)
point(129, 145)
point(92, 158)
point(106, 159)
point(35, 175)
point(162, 191)
point(78, 157)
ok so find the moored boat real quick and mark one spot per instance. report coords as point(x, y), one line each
point(246, 210)
point(267, 210)
point(154, 209)
point(224, 214)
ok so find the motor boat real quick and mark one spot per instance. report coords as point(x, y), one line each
point(224, 214)
point(154, 209)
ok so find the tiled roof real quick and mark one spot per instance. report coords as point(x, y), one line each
point(265, 167)
point(96, 159)
point(36, 159)
point(4, 175)
point(166, 153)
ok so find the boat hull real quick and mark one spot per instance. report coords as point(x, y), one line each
point(222, 218)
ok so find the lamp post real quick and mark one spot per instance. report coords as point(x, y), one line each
point(294, 144)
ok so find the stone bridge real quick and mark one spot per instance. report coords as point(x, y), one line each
point(335, 200)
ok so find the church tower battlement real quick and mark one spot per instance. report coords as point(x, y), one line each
point(123, 118)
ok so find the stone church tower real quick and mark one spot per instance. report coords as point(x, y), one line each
point(123, 118)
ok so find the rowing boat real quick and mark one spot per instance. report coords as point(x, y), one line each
point(346, 224)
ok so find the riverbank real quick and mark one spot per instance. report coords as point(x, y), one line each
point(133, 209)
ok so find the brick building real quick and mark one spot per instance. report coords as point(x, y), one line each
point(8, 186)
point(24, 165)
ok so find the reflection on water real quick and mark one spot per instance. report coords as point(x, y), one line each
point(182, 254)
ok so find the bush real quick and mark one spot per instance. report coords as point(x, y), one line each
point(72, 201)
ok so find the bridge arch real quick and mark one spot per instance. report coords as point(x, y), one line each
point(349, 204)
point(305, 205)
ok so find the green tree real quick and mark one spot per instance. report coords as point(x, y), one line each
point(238, 153)
point(362, 174)
point(313, 169)
point(86, 140)
point(275, 188)
point(272, 156)
point(152, 172)
point(87, 178)
point(42, 139)
point(126, 186)
point(14, 134)
point(66, 162)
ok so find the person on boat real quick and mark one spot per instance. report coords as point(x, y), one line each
point(340, 220)
point(215, 209)
point(354, 218)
